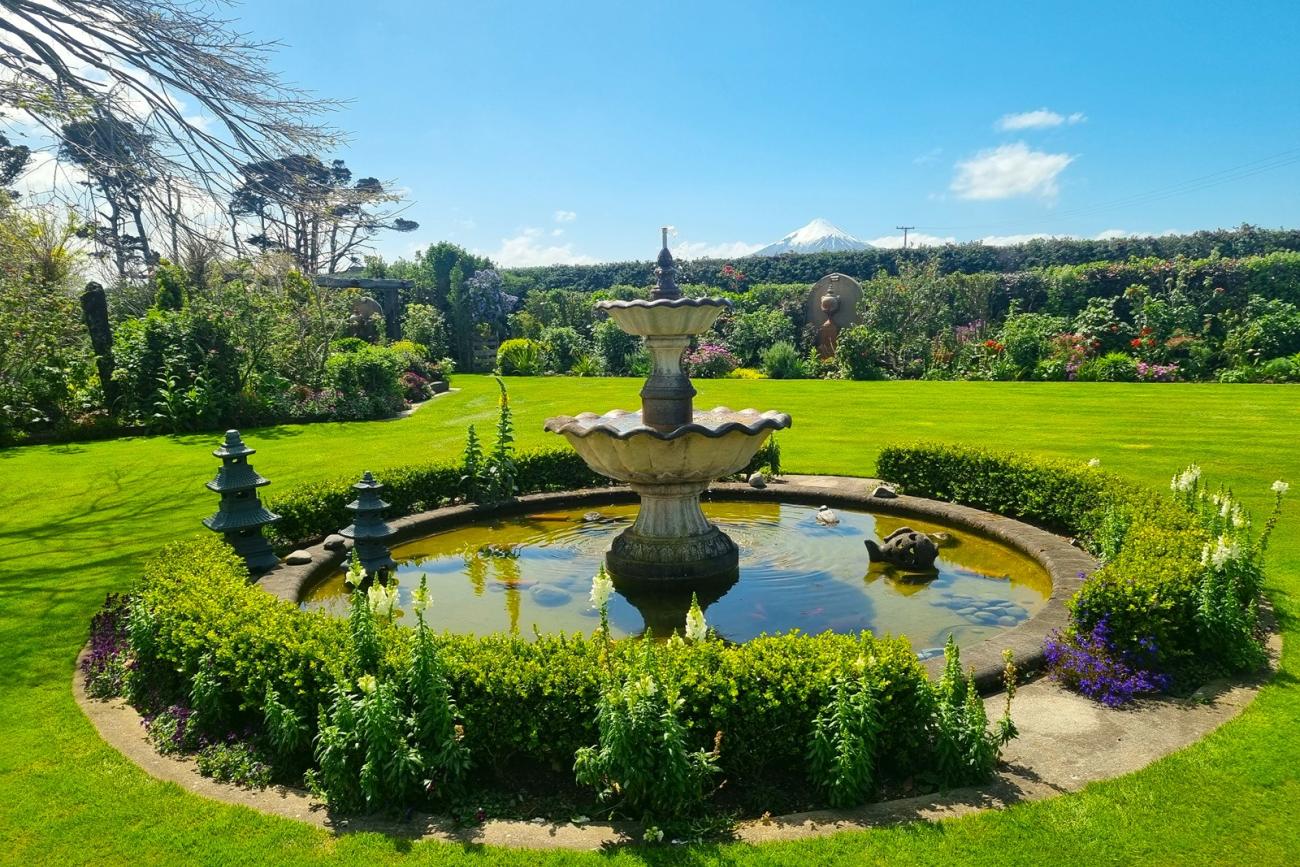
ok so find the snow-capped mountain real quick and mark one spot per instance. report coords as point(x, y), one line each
point(819, 236)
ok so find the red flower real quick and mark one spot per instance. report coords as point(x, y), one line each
point(1135, 342)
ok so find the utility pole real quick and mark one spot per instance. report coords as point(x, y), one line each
point(905, 229)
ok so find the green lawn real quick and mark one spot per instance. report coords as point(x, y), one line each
point(77, 520)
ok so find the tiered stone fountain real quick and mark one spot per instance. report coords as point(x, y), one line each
point(668, 452)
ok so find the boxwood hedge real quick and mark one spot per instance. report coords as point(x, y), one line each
point(1146, 588)
point(531, 700)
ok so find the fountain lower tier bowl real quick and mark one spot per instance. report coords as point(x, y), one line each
point(671, 539)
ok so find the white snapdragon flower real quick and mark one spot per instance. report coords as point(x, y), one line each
point(382, 599)
point(696, 628)
point(1186, 480)
point(367, 683)
point(421, 598)
point(356, 572)
point(602, 586)
point(1280, 487)
point(1225, 551)
point(1095, 462)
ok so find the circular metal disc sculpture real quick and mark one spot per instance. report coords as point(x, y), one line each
point(668, 452)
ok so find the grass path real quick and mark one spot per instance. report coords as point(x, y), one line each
point(77, 520)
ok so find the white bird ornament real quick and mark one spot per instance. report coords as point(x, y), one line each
point(827, 517)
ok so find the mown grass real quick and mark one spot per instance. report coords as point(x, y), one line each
point(77, 520)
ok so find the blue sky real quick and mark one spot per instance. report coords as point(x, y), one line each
point(570, 131)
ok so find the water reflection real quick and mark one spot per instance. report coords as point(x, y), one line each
point(534, 572)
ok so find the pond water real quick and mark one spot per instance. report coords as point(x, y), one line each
point(533, 573)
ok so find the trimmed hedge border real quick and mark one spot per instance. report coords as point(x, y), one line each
point(1065, 564)
point(197, 618)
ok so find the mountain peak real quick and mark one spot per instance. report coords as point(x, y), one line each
point(819, 236)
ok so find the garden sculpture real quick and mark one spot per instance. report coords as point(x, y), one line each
point(240, 515)
point(906, 549)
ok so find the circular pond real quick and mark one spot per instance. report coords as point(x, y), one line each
point(533, 573)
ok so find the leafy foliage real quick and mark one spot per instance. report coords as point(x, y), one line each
point(520, 357)
point(1176, 592)
point(643, 762)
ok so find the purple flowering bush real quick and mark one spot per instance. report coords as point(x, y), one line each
point(105, 666)
point(711, 361)
point(1091, 665)
point(1157, 372)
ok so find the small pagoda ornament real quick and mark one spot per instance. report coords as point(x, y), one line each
point(241, 515)
point(368, 531)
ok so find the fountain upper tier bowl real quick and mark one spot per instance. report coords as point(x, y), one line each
point(620, 445)
point(665, 317)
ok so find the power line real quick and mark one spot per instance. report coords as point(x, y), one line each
point(905, 229)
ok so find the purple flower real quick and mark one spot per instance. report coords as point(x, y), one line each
point(1090, 664)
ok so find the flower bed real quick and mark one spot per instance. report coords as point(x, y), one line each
point(376, 716)
point(1174, 601)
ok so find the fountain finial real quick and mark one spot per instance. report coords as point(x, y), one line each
point(665, 273)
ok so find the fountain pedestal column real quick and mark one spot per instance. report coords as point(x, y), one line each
point(671, 539)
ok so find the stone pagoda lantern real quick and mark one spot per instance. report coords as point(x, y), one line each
point(368, 531)
point(240, 515)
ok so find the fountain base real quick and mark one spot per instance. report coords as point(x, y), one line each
point(671, 540)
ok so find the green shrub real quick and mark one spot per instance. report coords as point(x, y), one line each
point(749, 333)
point(615, 347)
point(517, 699)
point(643, 761)
point(1111, 367)
point(1271, 329)
point(238, 763)
point(519, 357)
point(179, 369)
point(1027, 338)
point(1281, 369)
point(310, 511)
point(564, 347)
point(857, 354)
point(1151, 586)
point(782, 361)
point(368, 380)
point(424, 325)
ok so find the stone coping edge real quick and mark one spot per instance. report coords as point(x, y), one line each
point(1065, 564)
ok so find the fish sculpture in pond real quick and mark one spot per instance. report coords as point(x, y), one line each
point(906, 549)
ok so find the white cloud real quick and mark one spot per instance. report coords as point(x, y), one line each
point(1009, 170)
point(565, 216)
point(914, 239)
point(1037, 119)
point(705, 250)
point(531, 247)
